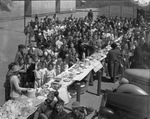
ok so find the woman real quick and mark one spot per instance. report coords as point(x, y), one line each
point(15, 90)
point(7, 82)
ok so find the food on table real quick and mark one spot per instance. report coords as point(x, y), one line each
point(57, 79)
point(55, 85)
point(66, 79)
point(31, 93)
point(45, 86)
point(70, 70)
point(27, 111)
point(12, 110)
point(90, 58)
point(43, 92)
point(71, 75)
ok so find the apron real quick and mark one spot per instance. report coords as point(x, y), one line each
point(14, 94)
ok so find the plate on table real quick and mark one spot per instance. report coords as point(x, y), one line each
point(71, 75)
point(45, 86)
point(55, 85)
point(71, 70)
point(43, 92)
point(57, 79)
point(77, 72)
point(66, 79)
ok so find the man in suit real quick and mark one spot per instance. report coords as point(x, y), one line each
point(113, 59)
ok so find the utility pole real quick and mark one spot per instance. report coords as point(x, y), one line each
point(24, 14)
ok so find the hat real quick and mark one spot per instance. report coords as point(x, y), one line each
point(114, 45)
point(21, 46)
point(15, 68)
point(75, 104)
point(33, 44)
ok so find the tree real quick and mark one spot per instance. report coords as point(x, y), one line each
point(5, 5)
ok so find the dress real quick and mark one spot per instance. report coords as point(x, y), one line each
point(49, 75)
point(39, 77)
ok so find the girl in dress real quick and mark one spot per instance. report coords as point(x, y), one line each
point(50, 72)
point(40, 75)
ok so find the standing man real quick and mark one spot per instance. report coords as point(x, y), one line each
point(29, 32)
point(113, 59)
point(90, 15)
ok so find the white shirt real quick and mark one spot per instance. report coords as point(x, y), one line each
point(59, 44)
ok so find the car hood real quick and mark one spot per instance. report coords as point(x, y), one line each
point(140, 74)
point(137, 105)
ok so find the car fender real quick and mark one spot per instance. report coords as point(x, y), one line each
point(123, 81)
point(130, 88)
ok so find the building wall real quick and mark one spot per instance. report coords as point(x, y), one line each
point(119, 10)
point(67, 5)
point(44, 6)
point(38, 7)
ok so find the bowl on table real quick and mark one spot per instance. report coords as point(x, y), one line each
point(55, 85)
point(57, 79)
point(31, 93)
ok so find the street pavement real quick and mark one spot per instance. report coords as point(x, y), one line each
point(11, 35)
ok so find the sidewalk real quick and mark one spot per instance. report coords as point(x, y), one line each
point(90, 97)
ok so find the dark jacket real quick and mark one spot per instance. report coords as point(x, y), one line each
point(56, 115)
point(113, 55)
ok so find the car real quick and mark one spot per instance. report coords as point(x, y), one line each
point(138, 77)
point(124, 106)
point(131, 99)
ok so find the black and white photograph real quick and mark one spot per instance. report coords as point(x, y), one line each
point(74, 59)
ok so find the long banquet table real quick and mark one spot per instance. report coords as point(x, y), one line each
point(92, 63)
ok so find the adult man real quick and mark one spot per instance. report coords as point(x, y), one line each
point(29, 32)
point(45, 109)
point(20, 55)
point(90, 14)
point(113, 59)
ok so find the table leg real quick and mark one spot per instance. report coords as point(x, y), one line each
point(114, 72)
point(91, 78)
point(99, 73)
point(78, 92)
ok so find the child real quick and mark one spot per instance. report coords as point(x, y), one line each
point(65, 65)
point(58, 70)
point(39, 75)
point(50, 73)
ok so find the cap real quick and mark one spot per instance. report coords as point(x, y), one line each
point(15, 68)
point(21, 46)
point(75, 104)
point(114, 45)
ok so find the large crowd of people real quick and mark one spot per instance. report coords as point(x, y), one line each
point(53, 45)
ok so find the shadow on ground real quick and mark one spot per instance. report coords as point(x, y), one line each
point(106, 79)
